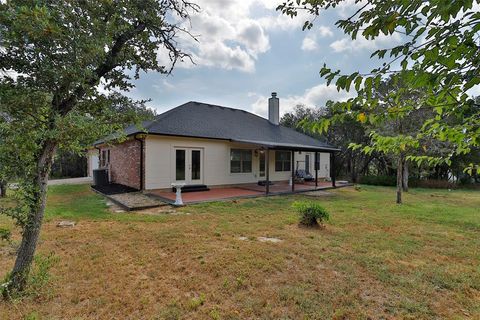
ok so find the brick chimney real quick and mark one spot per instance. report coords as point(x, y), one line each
point(274, 109)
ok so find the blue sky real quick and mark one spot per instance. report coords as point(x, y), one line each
point(246, 50)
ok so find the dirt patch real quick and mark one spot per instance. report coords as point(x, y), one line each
point(319, 193)
point(269, 239)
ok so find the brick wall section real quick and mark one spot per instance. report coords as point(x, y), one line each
point(125, 163)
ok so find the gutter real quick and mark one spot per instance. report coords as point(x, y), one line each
point(142, 146)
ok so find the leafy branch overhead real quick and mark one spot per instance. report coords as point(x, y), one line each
point(438, 55)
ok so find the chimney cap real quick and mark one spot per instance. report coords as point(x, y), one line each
point(274, 94)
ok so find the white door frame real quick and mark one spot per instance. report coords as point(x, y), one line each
point(188, 165)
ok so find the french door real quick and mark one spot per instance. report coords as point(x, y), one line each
point(189, 165)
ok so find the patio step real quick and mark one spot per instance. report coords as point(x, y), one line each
point(193, 188)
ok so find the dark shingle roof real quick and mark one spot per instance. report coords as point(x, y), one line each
point(195, 119)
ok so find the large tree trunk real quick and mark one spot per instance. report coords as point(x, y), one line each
point(31, 231)
point(3, 189)
point(405, 176)
point(399, 179)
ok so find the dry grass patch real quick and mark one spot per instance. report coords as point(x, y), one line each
point(373, 260)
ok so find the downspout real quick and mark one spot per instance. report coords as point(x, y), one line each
point(141, 160)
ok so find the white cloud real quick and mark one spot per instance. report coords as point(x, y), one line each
point(324, 32)
point(232, 34)
point(253, 37)
point(361, 43)
point(218, 54)
point(310, 42)
point(316, 96)
point(228, 37)
point(280, 22)
point(164, 85)
point(347, 8)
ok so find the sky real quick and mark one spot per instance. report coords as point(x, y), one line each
point(246, 50)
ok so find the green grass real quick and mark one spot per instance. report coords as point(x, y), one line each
point(375, 259)
point(77, 202)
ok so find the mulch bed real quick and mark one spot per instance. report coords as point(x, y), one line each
point(114, 188)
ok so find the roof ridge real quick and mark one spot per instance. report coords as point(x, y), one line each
point(235, 109)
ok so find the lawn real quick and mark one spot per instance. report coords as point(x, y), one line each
point(374, 259)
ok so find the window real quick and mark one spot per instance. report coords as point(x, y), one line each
point(179, 165)
point(240, 160)
point(104, 158)
point(282, 161)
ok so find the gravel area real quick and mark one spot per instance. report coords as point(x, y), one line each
point(136, 200)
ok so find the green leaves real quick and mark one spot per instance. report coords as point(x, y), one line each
point(438, 56)
point(61, 53)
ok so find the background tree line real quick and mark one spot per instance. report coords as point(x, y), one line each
point(347, 130)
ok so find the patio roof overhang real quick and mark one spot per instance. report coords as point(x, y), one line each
point(289, 146)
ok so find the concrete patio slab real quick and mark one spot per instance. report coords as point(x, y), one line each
point(239, 192)
point(210, 195)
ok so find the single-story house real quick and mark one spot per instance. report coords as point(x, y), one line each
point(203, 144)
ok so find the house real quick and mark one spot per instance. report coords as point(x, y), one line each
point(214, 146)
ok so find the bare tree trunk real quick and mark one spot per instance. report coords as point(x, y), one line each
point(31, 231)
point(405, 176)
point(3, 189)
point(399, 179)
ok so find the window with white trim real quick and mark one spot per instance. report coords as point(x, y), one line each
point(283, 161)
point(240, 160)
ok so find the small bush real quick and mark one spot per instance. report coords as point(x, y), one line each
point(311, 213)
point(5, 235)
point(196, 302)
point(391, 181)
point(432, 184)
point(386, 181)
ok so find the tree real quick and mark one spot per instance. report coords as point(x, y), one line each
point(441, 37)
point(299, 115)
point(6, 172)
point(340, 134)
point(56, 56)
point(393, 115)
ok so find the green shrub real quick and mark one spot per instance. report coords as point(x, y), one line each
point(196, 302)
point(5, 235)
point(311, 213)
point(379, 180)
point(432, 183)
point(391, 181)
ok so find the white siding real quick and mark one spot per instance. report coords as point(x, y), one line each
point(324, 169)
point(160, 162)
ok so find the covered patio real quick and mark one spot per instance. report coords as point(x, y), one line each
point(265, 187)
point(239, 192)
point(295, 183)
